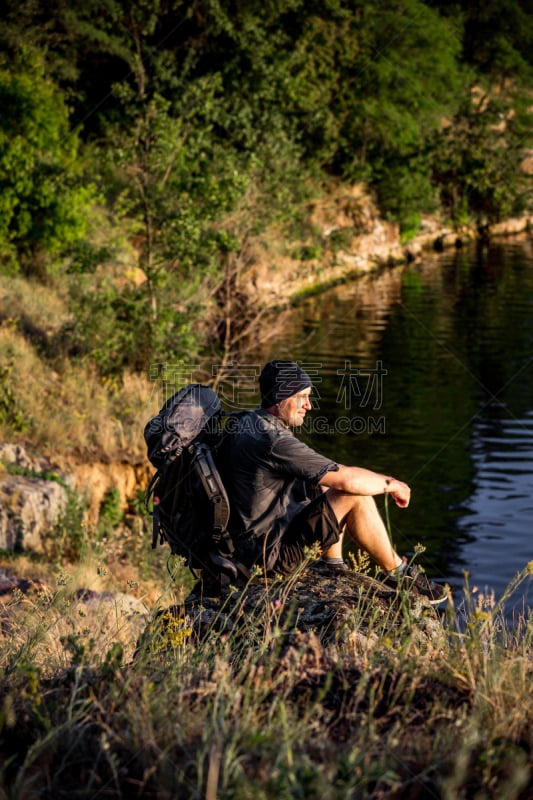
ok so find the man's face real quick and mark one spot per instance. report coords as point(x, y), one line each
point(293, 409)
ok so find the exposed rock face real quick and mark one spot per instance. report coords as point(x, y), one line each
point(18, 456)
point(29, 504)
point(34, 493)
point(29, 507)
point(352, 239)
point(97, 478)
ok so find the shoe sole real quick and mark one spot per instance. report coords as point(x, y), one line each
point(434, 601)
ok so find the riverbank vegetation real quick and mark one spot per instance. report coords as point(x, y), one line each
point(146, 147)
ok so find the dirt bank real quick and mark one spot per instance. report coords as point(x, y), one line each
point(347, 237)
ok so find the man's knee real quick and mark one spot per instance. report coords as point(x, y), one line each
point(344, 504)
point(363, 506)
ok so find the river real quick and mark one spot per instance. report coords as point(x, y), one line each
point(424, 371)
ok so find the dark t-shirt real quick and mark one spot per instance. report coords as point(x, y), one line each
point(268, 473)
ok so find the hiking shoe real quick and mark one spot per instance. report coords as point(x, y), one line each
point(413, 579)
point(330, 568)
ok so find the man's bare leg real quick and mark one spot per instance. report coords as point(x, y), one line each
point(335, 551)
point(365, 526)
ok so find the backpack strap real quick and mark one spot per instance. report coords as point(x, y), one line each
point(203, 463)
point(154, 513)
point(223, 556)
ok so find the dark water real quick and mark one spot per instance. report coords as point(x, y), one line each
point(425, 372)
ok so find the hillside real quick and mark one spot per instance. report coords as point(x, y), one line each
point(149, 156)
point(173, 172)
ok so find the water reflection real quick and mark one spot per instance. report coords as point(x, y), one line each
point(454, 334)
point(500, 508)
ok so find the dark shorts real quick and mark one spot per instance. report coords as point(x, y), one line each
point(315, 524)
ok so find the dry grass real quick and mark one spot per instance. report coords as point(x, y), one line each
point(259, 712)
point(61, 406)
point(39, 310)
point(69, 410)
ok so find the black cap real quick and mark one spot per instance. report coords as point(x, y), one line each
point(281, 379)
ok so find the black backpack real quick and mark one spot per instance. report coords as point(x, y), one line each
point(190, 504)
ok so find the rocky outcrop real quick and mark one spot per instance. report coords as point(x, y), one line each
point(338, 612)
point(18, 457)
point(330, 616)
point(29, 507)
point(32, 498)
point(34, 493)
point(349, 238)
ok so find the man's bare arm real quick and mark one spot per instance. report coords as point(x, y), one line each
point(357, 480)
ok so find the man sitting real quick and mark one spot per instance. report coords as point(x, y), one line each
point(286, 497)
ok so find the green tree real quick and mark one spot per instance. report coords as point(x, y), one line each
point(44, 200)
point(359, 87)
point(496, 36)
point(479, 155)
point(205, 121)
point(402, 79)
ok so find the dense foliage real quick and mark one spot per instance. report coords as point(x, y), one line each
point(187, 126)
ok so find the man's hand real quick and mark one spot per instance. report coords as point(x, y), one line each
point(400, 491)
